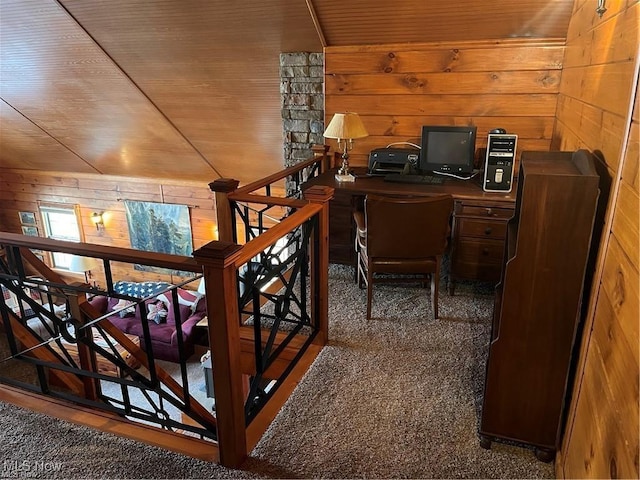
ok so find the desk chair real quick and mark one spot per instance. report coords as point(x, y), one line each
point(404, 238)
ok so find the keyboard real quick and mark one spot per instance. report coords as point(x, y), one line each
point(421, 179)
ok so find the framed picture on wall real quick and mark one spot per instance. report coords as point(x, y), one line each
point(29, 230)
point(159, 227)
point(27, 218)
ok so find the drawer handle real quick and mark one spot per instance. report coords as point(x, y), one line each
point(487, 231)
point(485, 251)
point(489, 211)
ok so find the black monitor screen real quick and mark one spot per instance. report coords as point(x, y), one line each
point(447, 149)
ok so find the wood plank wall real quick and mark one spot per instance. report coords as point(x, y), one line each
point(596, 95)
point(22, 191)
point(398, 88)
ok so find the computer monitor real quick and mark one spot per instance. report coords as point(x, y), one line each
point(447, 149)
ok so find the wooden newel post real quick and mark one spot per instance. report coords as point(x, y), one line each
point(220, 275)
point(321, 194)
point(222, 187)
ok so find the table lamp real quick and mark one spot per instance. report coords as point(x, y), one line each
point(84, 265)
point(345, 127)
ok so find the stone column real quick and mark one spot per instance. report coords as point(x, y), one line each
point(302, 102)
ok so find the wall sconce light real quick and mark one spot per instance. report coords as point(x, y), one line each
point(601, 8)
point(97, 220)
point(345, 127)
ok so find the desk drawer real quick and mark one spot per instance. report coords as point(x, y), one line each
point(471, 227)
point(478, 258)
point(482, 211)
point(477, 271)
point(486, 252)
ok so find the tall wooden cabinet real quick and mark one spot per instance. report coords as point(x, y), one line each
point(537, 306)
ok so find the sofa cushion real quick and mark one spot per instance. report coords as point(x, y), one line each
point(159, 333)
point(125, 324)
point(183, 310)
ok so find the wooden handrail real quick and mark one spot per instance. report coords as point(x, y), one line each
point(227, 193)
point(268, 238)
point(263, 182)
point(114, 254)
point(266, 200)
point(89, 311)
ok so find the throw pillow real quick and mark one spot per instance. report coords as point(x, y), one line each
point(157, 312)
point(125, 307)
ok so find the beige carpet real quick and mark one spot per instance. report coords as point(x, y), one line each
point(397, 396)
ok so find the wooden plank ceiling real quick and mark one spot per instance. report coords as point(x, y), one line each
point(189, 89)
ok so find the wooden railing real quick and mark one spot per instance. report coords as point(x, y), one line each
point(267, 321)
point(76, 353)
point(301, 227)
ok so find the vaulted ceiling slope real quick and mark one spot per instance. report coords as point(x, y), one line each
point(189, 89)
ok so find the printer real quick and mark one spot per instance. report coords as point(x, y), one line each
point(383, 161)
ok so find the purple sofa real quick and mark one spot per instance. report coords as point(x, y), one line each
point(163, 335)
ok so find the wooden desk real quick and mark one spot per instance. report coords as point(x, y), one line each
point(478, 228)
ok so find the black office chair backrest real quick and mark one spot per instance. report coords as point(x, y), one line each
point(413, 227)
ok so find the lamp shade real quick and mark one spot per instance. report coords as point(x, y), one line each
point(345, 126)
point(82, 264)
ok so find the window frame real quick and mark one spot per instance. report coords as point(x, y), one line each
point(44, 209)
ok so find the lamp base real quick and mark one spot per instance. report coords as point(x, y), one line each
point(345, 178)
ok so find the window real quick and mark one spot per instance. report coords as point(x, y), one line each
point(61, 223)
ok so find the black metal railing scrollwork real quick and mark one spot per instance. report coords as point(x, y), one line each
point(279, 315)
point(75, 355)
point(282, 313)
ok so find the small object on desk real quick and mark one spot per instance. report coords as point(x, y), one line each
point(345, 177)
point(359, 172)
point(423, 179)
